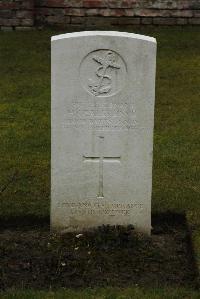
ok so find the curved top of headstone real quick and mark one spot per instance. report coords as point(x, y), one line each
point(104, 33)
point(103, 92)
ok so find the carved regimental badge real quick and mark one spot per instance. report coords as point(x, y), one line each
point(103, 73)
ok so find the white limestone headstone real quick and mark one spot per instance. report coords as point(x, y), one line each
point(103, 90)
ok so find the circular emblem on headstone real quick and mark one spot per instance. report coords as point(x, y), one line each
point(103, 73)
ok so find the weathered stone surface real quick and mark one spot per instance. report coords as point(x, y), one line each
point(125, 21)
point(9, 22)
point(103, 89)
point(78, 20)
point(6, 28)
point(24, 14)
point(23, 28)
point(56, 19)
point(6, 13)
point(165, 21)
point(194, 21)
point(27, 22)
point(162, 12)
point(182, 21)
point(146, 21)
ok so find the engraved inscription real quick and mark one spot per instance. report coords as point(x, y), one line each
point(103, 208)
point(100, 116)
point(103, 73)
point(101, 159)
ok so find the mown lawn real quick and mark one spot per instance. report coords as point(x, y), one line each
point(25, 122)
point(25, 135)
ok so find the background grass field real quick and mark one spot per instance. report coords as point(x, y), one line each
point(25, 129)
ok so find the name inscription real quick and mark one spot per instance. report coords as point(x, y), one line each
point(103, 116)
point(102, 208)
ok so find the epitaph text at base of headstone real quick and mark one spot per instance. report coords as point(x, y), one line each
point(103, 91)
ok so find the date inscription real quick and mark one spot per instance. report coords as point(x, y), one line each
point(102, 208)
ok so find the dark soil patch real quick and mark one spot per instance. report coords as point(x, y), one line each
point(114, 256)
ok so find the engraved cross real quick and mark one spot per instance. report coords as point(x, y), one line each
point(101, 159)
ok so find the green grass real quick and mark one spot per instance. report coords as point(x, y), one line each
point(25, 135)
point(25, 122)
